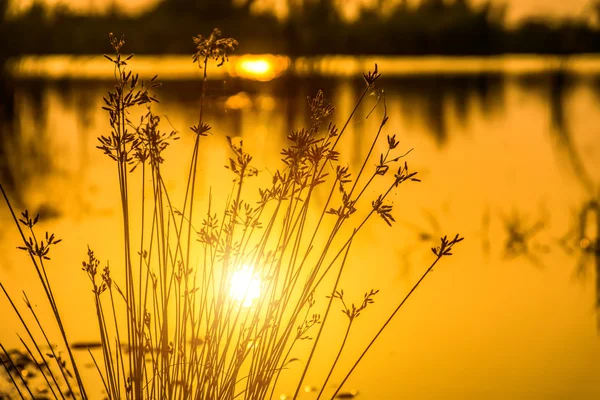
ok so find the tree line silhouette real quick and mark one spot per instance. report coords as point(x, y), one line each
point(442, 27)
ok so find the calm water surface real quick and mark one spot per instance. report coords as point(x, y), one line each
point(511, 161)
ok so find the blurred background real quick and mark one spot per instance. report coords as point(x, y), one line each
point(306, 27)
point(499, 99)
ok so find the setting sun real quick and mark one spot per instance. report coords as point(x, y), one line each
point(259, 67)
point(245, 286)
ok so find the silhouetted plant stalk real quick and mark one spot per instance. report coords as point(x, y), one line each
point(186, 335)
point(443, 250)
point(38, 252)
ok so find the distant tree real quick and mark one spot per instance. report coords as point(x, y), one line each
point(3, 33)
point(207, 8)
point(595, 14)
point(432, 5)
point(310, 25)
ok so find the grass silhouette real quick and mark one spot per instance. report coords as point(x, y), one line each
point(168, 323)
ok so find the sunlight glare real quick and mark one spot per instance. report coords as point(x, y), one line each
point(245, 286)
point(259, 67)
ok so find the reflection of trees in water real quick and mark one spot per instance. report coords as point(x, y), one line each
point(22, 156)
point(579, 240)
point(426, 100)
point(582, 239)
point(556, 88)
point(79, 96)
point(430, 98)
point(594, 83)
point(7, 121)
point(26, 143)
point(525, 234)
point(560, 86)
point(27, 146)
point(521, 233)
point(25, 153)
point(582, 242)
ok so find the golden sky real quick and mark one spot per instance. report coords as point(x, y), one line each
point(517, 8)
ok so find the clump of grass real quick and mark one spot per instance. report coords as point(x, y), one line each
point(168, 324)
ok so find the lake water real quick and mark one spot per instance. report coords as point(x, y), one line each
point(509, 155)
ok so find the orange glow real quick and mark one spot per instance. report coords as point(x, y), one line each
point(481, 325)
point(259, 67)
point(245, 286)
point(267, 67)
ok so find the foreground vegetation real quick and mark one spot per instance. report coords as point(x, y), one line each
point(172, 321)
